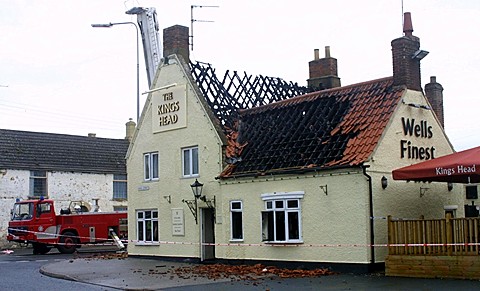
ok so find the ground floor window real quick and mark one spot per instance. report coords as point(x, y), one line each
point(281, 219)
point(147, 226)
point(236, 223)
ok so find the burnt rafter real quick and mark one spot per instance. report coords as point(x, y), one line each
point(237, 91)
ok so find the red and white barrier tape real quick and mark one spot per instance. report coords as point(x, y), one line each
point(266, 244)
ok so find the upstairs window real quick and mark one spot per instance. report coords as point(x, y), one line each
point(119, 187)
point(236, 220)
point(190, 162)
point(38, 184)
point(150, 166)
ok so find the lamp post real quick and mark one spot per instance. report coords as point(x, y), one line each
point(107, 25)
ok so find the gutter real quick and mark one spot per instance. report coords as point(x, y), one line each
point(370, 206)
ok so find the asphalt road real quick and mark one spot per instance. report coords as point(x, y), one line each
point(20, 271)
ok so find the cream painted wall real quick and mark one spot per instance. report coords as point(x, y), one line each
point(338, 217)
point(146, 195)
point(401, 199)
point(63, 187)
point(341, 218)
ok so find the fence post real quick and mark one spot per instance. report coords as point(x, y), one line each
point(449, 232)
point(390, 235)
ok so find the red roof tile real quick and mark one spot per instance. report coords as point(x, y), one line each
point(329, 128)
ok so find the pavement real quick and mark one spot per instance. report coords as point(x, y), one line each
point(139, 273)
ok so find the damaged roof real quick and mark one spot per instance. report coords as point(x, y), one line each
point(337, 127)
point(24, 150)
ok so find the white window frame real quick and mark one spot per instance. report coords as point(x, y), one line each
point(232, 211)
point(189, 167)
point(144, 220)
point(278, 202)
point(150, 171)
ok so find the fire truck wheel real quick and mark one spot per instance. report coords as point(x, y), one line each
point(68, 243)
point(40, 249)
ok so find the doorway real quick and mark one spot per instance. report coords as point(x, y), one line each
point(207, 252)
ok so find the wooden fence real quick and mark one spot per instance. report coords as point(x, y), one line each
point(440, 237)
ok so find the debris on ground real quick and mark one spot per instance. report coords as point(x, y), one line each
point(246, 272)
point(104, 256)
point(249, 273)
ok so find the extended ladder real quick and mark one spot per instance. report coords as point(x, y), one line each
point(147, 22)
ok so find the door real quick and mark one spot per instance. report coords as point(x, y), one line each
point(207, 252)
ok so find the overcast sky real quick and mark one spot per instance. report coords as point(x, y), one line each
point(60, 75)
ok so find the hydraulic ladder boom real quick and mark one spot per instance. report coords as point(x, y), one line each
point(147, 22)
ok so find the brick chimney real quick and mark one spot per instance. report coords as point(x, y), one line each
point(175, 41)
point(434, 94)
point(406, 57)
point(323, 72)
point(130, 129)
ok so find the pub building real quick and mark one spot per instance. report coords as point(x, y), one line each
point(257, 169)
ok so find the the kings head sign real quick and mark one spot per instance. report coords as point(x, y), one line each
point(169, 109)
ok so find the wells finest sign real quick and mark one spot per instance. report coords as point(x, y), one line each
point(418, 129)
point(169, 109)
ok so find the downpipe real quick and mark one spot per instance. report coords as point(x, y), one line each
point(370, 206)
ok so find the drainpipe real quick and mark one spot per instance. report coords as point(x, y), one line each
point(370, 206)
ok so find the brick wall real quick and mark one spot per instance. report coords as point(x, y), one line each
point(176, 41)
point(434, 94)
point(458, 267)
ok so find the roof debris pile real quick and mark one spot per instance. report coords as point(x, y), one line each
point(245, 272)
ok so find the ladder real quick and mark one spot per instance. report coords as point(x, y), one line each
point(116, 239)
point(148, 24)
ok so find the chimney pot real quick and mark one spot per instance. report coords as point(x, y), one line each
point(407, 24)
point(433, 79)
point(327, 51)
point(316, 54)
point(92, 135)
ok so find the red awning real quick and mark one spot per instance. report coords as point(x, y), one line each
point(460, 167)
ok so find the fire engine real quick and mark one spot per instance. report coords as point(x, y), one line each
point(35, 222)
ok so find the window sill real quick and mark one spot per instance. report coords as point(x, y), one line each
point(236, 241)
point(147, 244)
point(280, 243)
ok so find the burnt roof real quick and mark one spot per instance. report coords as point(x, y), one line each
point(25, 150)
point(337, 127)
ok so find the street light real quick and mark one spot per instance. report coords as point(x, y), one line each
point(107, 25)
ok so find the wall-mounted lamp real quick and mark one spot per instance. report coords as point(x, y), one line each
point(197, 189)
point(168, 198)
point(420, 54)
point(450, 186)
point(384, 181)
point(423, 190)
point(324, 188)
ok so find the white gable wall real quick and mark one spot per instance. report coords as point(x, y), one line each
point(154, 195)
point(62, 187)
point(401, 199)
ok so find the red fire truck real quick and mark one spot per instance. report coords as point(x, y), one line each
point(35, 222)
